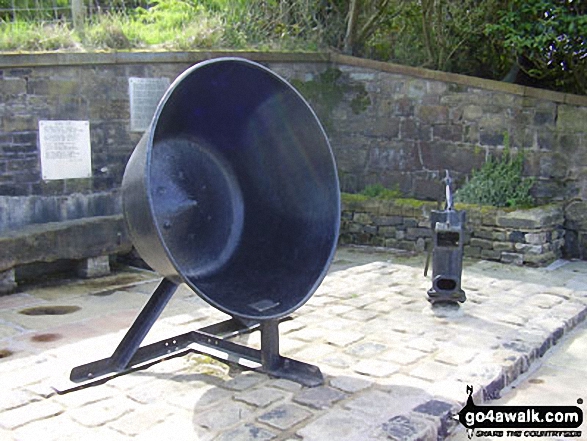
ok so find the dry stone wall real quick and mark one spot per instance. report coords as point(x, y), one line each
point(521, 237)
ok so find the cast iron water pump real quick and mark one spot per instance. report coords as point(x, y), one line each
point(447, 251)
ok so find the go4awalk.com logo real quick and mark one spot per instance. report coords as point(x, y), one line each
point(520, 421)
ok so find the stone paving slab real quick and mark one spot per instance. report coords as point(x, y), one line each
point(395, 368)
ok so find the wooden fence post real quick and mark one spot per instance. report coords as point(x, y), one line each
point(78, 15)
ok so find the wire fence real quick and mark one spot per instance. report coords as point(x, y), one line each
point(60, 10)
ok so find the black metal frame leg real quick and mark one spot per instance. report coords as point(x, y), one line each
point(281, 367)
point(131, 342)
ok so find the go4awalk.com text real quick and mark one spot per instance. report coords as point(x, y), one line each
point(520, 421)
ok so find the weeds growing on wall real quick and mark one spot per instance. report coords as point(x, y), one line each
point(499, 182)
point(380, 192)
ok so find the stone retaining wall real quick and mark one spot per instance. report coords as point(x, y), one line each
point(392, 125)
point(522, 237)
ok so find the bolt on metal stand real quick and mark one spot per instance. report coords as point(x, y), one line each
point(212, 340)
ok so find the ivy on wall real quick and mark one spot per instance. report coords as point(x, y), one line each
point(328, 90)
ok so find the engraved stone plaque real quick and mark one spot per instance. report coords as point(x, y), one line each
point(65, 149)
point(145, 94)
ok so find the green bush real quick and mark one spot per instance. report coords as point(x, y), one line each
point(499, 183)
point(547, 38)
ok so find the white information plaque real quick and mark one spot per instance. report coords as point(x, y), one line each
point(65, 149)
point(145, 94)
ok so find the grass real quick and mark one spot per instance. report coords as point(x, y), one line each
point(350, 198)
point(380, 192)
point(33, 37)
point(358, 198)
point(167, 26)
point(398, 200)
point(121, 32)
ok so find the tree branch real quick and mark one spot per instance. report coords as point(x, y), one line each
point(368, 28)
point(349, 38)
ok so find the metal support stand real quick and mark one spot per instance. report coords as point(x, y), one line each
point(280, 367)
point(212, 340)
point(142, 324)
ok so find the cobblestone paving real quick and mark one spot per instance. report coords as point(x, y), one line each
point(395, 368)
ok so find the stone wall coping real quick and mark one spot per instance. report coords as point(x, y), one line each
point(541, 216)
point(20, 60)
point(17, 60)
point(449, 77)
